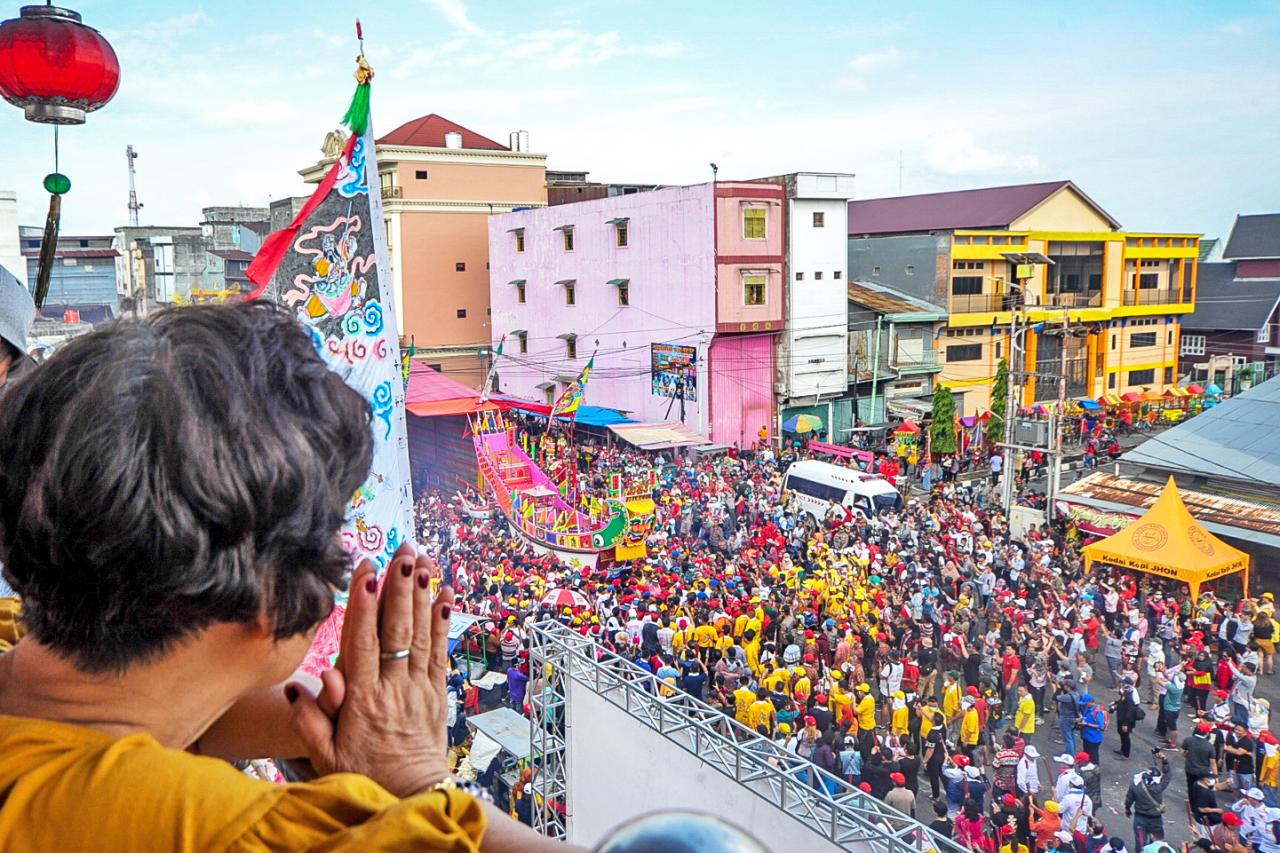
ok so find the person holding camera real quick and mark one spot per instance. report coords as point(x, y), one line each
point(1144, 801)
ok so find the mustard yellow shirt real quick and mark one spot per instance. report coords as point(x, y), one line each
point(1026, 717)
point(866, 713)
point(72, 788)
point(969, 728)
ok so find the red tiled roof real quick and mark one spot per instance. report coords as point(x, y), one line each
point(429, 131)
point(990, 207)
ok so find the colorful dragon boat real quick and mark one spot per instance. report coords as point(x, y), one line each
point(597, 532)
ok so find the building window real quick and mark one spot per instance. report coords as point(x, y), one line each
point(1264, 334)
point(624, 293)
point(839, 274)
point(819, 219)
point(753, 223)
point(753, 289)
point(999, 350)
point(964, 352)
point(966, 285)
point(571, 348)
point(1148, 281)
point(1142, 339)
point(520, 293)
point(1113, 342)
point(1142, 377)
point(799, 276)
point(568, 238)
point(462, 313)
point(460, 266)
point(620, 234)
point(570, 293)
point(875, 270)
point(817, 276)
point(967, 265)
point(1169, 341)
point(911, 270)
point(438, 368)
point(524, 343)
point(420, 174)
point(1111, 381)
point(520, 240)
point(1168, 376)
point(1192, 345)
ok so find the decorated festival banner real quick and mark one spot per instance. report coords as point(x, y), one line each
point(330, 267)
point(571, 399)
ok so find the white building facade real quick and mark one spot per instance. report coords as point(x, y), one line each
point(812, 366)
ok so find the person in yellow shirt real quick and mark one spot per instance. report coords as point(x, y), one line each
point(801, 686)
point(761, 715)
point(705, 636)
point(98, 750)
point(1025, 717)
point(970, 729)
point(951, 697)
point(841, 701)
point(866, 709)
point(899, 719)
point(782, 676)
point(742, 699)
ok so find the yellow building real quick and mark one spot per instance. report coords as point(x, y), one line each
point(1122, 293)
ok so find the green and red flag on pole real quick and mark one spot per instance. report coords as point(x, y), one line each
point(329, 267)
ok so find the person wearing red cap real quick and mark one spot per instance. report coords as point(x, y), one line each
point(901, 797)
point(1226, 835)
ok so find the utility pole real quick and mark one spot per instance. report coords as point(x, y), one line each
point(134, 205)
point(1055, 475)
point(1013, 398)
point(875, 374)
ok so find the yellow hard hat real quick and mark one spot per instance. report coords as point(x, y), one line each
point(1051, 807)
point(864, 687)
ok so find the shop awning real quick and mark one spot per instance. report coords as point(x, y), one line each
point(1194, 388)
point(1131, 397)
point(1110, 400)
point(1169, 542)
point(912, 408)
point(658, 436)
point(1088, 405)
point(431, 393)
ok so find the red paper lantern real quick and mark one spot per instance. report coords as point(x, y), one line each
point(54, 67)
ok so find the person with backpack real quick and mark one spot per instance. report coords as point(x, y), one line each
point(1093, 725)
point(1144, 802)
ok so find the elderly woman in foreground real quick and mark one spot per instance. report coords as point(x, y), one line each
point(170, 496)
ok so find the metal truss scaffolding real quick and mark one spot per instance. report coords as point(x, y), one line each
point(825, 804)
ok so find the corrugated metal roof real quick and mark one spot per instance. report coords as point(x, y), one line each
point(1254, 236)
point(1236, 440)
point(1225, 303)
point(989, 207)
point(888, 301)
point(1212, 510)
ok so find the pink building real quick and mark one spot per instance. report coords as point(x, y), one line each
point(679, 293)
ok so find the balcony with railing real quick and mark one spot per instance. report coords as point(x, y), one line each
point(1066, 299)
point(1153, 296)
point(907, 363)
point(392, 191)
point(981, 303)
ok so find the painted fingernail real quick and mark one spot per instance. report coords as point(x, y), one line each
point(444, 613)
point(371, 584)
point(406, 569)
point(424, 581)
point(291, 693)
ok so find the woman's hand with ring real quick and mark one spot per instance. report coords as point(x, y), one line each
point(393, 663)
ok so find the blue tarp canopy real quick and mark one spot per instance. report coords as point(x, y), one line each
point(601, 417)
point(1088, 405)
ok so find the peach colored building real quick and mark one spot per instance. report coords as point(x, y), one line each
point(440, 183)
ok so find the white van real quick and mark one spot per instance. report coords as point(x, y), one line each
point(814, 485)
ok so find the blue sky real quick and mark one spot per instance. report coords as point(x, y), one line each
point(1167, 114)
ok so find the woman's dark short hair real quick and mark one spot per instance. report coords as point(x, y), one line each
point(165, 474)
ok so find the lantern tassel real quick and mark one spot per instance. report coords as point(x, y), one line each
point(357, 117)
point(48, 247)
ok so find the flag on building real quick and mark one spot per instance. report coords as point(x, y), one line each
point(406, 360)
point(330, 268)
point(571, 399)
point(493, 370)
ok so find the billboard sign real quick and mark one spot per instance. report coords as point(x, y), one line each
point(670, 365)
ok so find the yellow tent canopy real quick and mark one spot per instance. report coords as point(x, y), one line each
point(1169, 542)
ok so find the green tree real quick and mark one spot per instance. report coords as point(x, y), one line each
point(943, 430)
point(999, 399)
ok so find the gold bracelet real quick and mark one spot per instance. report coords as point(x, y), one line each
point(466, 786)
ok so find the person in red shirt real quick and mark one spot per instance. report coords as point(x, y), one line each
point(1010, 674)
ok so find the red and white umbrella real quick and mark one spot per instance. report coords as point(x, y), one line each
point(565, 598)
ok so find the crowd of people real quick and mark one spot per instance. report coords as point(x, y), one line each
point(919, 651)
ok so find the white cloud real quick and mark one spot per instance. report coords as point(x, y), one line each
point(455, 13)
point(956, 152)
point(875, 60)
point(557, 49)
